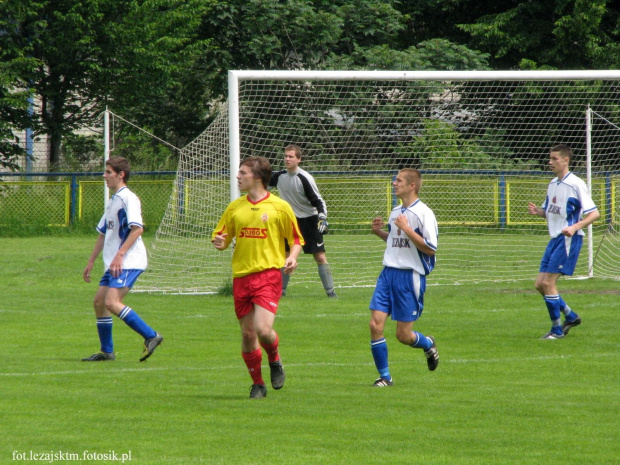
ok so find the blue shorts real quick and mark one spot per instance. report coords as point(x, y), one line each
point(561, 255)
point(127, 278)
point(399, 293)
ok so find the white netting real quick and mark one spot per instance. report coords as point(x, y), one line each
point(482, 147)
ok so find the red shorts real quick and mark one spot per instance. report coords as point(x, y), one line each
point(263, 288)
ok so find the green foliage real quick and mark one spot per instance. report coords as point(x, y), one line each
point(561, 34)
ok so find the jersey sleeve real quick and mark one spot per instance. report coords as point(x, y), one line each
point(290, 226)
point(587, 204)
point(134, 211)
point(225, 226)
point(102, 226)
point(312, 193)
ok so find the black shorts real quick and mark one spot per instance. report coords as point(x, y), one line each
point(309, 228)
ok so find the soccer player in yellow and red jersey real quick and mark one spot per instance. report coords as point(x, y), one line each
point(259, 222)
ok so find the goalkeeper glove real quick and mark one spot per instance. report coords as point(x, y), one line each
point(323, 225)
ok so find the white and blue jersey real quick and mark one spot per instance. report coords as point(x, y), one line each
point(402, 283)
point(121, 213)
point(568, 200)
point(401, 252)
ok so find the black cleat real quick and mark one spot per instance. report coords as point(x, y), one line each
point(432, 356)
point(331, 294)
point(258, 391)
point(567, 325)
point(150, 345)
point(382, 382)
point(100, 357)
point(552, 335)
point(277, 374)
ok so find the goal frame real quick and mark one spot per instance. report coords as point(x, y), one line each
point(236, 76)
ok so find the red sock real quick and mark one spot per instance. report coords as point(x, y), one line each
point(272, 350)
point(253, 361)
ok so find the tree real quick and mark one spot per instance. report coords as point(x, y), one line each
point(562, 34)
point(131, 56)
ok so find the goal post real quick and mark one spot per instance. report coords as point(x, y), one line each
point(480, 139)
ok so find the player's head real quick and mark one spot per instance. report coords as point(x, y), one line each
point(292, 157)
point(120, 166)
point(412, 177)
point(260, 167)
point(296, 149)
point(562, 150)
point(559, 159)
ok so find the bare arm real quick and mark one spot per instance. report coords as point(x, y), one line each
point(587, 220)
point(290, 264)
point(93, 257)
point(377, 228)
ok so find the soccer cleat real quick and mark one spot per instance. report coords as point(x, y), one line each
point(332, 294)
point(382, 382)
point(277, 374)
point(150, 345)
point(258, 391)
point(432, 356)
point(100, 357)
point(551, 335)
point(567, 325)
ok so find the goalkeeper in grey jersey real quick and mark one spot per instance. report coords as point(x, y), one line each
point(298, 188)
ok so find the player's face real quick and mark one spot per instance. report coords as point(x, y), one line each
point(401, 185)
point(245, 178)
point(558, 163)
point(113, 179)
point(290, 160)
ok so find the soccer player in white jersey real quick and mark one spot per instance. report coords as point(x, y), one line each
point(409, 257)
point(568, 209)
point(124, 258)
point(259, 222)
point(298, 188)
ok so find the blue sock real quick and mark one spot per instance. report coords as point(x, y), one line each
point(553, 306)
point(421, 342)
point(133, 320)
point(567, 311)
point(380, 355)
point(104, 328)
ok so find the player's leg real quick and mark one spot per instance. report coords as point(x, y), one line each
point(325, 273)
point(266, 299)
point(378, 347)
point(119, 288)
point(104, 328)
point(546, 283)
point(408, 303)
point(252, 354)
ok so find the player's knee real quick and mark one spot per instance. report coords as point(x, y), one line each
point(404, 337)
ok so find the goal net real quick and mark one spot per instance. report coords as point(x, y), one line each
point(480, 139)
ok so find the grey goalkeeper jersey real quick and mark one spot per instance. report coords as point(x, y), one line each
point(300, 191)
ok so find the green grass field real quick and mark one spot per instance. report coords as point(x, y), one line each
point(500, 395)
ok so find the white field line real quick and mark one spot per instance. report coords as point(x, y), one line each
point(114, 372)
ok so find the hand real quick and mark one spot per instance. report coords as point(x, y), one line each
point(86, 274)
point(220, 241)
point(532, 209)
point(290, 265)
point(377, 224)
point(323, 225)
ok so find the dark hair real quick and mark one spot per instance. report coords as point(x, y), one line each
point(294, 148)
point(119, 164)
point(564, 150)
point(260, 167)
